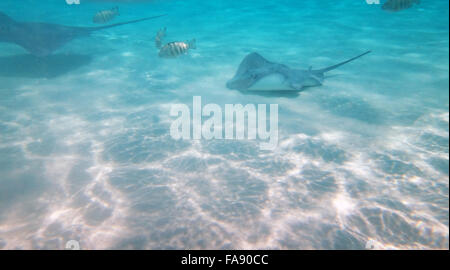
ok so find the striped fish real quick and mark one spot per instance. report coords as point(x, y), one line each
point(105, 16)
point(397, 5)
point(159, 37)
point(175, 49)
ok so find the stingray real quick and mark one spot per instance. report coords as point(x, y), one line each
point(42, 39)
point(255, 73)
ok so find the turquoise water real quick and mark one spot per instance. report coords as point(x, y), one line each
point(86, 154)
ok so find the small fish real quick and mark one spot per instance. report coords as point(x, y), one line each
point(159, 37)
point(175, 49)
point(105, 16)
point(397, 5)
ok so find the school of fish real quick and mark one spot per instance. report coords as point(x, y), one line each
point(177, 48)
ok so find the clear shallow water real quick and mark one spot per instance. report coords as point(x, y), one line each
point(86, 155)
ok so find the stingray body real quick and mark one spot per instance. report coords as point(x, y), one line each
point(42, 39)
point(255, 73)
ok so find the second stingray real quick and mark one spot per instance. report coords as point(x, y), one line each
point(255, 73)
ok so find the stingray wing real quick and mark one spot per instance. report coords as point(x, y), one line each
point(42, 39)
point(252, 68)
point(251, 62)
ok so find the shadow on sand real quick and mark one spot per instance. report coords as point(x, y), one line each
point(29, 66)
point(274, 93)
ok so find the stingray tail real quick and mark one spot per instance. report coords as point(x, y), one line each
point(343, 63)
point(123, 23)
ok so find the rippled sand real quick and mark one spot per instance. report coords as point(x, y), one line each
point(86, 154)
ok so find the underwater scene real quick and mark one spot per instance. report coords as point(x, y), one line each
point(192, 124)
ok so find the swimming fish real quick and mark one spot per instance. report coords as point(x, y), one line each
point(175, 49)
point(397, 5)
point(105, 16)
point(159, 37)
